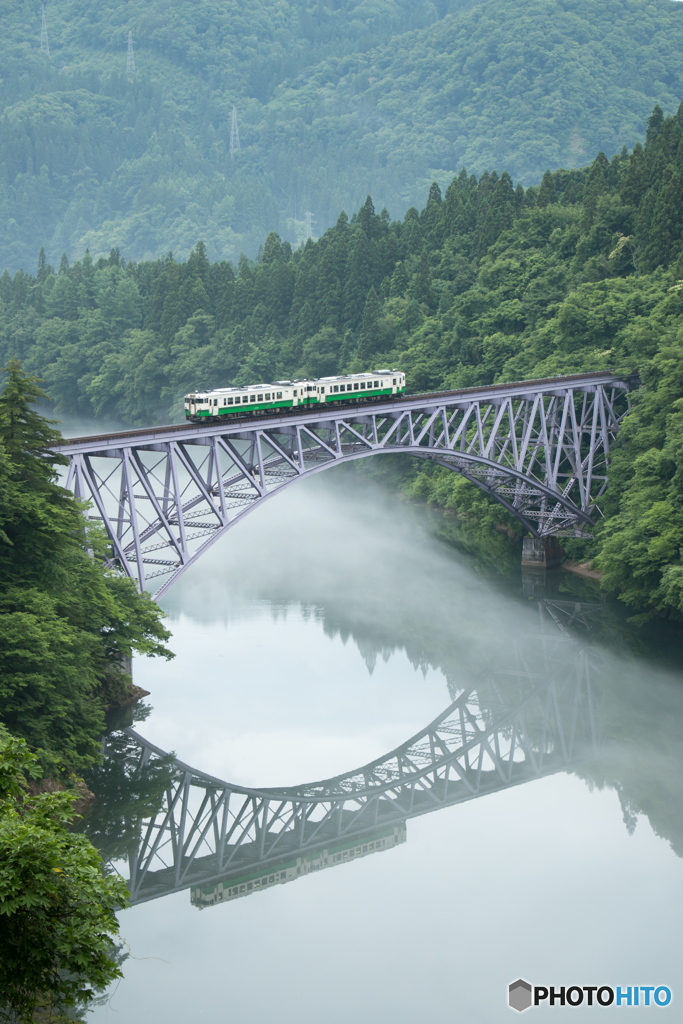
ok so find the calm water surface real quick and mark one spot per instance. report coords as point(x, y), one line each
point(325, 631)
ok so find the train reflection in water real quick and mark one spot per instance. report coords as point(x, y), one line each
point(243, 884)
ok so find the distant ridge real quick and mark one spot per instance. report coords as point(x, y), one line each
point(333, 105)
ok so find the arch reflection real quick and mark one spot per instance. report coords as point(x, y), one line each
point(171, 827)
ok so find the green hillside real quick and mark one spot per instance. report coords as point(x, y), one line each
point(489, 282)
point(335, 100)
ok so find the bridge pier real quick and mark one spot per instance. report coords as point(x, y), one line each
point(541, 553)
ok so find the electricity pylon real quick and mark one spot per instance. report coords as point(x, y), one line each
point(44, 44)
point(309, 224)
point(130, 66)
point(234, 133)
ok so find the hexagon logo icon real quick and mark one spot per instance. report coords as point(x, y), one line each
point(519, 995)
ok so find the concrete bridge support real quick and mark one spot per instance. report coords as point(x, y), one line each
point(541, 553)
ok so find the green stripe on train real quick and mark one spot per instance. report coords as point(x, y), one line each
point(251, 407)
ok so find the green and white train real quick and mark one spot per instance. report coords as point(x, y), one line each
point(292, 394)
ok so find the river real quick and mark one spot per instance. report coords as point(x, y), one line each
point(326, 630)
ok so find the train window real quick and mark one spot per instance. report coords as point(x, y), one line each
point(336, 387)
point(295, 392)
point(279, 394)
point(394, 380)
point(355, 387)
point(362, 386)
point(230, 401)
point(272, 878)
point(365, 848)
point(322, 391)
point(342, 387)
point(259, 398)
point(376, 383)
point(245, 398)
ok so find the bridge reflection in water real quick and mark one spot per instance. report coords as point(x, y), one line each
point(535, 715)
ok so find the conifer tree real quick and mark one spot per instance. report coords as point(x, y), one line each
point(368, 336)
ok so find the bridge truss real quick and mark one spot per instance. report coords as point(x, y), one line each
point(536, 717)
point(164, 495)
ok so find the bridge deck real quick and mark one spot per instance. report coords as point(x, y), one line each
point(181, 431)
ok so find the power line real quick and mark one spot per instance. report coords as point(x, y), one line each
point(234, 133)
point(130, 66)
point(44, 44)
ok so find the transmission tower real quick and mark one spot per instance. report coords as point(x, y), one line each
point(309, 224)
point(130, 66)
point(44, 44)
point(234, 133)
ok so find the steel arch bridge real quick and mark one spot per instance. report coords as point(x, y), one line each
point(536, 717)
point(165, 494)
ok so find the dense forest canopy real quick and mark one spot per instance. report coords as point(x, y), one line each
point(336, 100)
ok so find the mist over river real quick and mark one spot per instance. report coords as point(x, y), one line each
point(324, 631)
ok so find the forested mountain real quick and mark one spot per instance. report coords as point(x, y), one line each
point(336, 100)
point(489, 282)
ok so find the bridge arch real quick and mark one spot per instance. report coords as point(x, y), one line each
point(165, 495)
point(564, 508)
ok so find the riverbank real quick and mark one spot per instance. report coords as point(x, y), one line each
point(584, 569)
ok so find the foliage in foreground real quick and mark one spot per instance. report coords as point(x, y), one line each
point(65, 621)
point(57, 911)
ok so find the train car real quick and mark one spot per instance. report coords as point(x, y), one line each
point(283, 394)
point(355, 387)
point(291, 394)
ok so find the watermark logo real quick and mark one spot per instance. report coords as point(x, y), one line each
point(519, 995)
point(522, 995)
